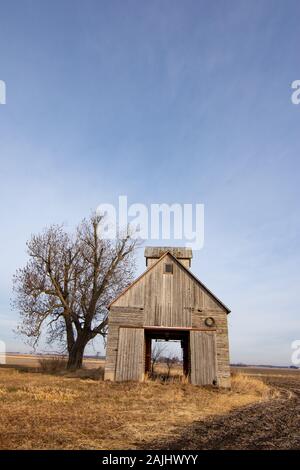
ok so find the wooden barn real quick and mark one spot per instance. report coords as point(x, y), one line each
point(167, 302)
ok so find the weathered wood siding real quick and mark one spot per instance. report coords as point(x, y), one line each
point(130, 357)
point(203, 357)
point(222, 342)
point(151, 261)
point(167, 299)
point(119, 316)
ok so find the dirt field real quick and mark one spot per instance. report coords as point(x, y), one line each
point(274, 424)
point(43, 411)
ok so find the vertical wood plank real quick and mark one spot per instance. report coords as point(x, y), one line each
point(130, 358)
point(203, 357)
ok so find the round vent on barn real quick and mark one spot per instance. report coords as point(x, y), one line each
point(210, 321)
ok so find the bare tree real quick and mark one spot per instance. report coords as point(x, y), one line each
point(170, 361)
point(68, 283)
point(156, 354)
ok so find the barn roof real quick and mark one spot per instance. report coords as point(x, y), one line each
point(168, 253)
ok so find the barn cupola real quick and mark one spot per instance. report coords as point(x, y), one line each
point(153, 253)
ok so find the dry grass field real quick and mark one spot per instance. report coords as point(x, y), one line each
point(32, 360)
point(44, 411)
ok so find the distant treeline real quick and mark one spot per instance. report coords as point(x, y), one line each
point(265, 366)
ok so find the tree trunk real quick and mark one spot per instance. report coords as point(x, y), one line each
point(76, 354)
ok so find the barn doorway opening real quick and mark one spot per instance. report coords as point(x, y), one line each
point(167, 354)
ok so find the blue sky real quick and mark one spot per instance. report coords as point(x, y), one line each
point(164, 101)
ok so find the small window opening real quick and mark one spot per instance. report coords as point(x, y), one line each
point(168, 268)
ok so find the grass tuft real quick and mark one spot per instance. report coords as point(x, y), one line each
point(245, 384)
point(52, 364)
